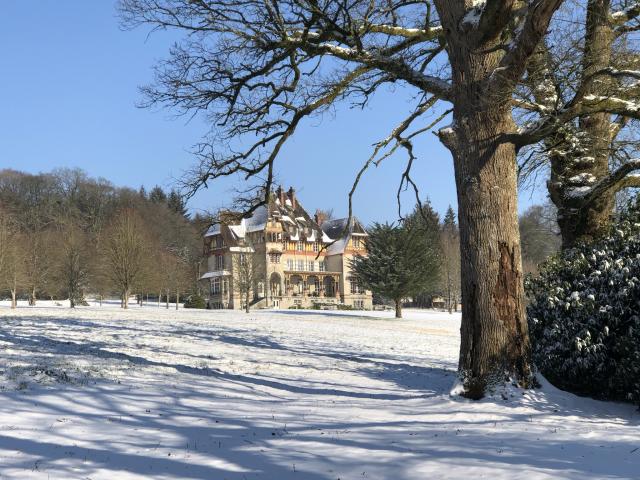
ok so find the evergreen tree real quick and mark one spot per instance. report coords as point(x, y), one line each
point(157, 195)
point(427, 219)
point(449, 221)
point(176, 204)
point(400, 262)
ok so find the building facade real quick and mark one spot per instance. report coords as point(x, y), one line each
point(289, 258)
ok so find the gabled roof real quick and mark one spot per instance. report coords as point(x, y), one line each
point(337, 229)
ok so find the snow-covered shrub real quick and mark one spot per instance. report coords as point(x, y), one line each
point(584, 316)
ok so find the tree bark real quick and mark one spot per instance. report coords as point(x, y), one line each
point(177, 299)
point(494, 334)
point(125, 299)
point(495, 341)
point(167, 300)
point(398, 302)
point(14, 301)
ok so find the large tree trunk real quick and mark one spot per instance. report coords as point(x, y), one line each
point(495, 341)
point(494, 335)
point(398, 302)
point(125, 299)
point(14, 301)
point(177, 299)
point(32, 297)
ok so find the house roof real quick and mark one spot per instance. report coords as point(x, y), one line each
point(296, 223)
point(337, 229)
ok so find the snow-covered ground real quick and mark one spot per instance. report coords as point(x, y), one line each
point(98, 393)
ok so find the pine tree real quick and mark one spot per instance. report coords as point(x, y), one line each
point(157, 195)
point(176, 204)
point(449, 221)
point(400, 262)
point(427, 219)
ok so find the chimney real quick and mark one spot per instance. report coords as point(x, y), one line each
point(280, 195)
point(320, 217)
point(292, 196)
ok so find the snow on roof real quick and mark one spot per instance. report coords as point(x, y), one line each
point(213, 230)
point(338, 246)
point(337, 230)
point(217, 273)
point(242, 249)
point(334, 228)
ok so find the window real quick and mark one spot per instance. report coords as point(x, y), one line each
point(300, 265)
point(274, 257)
point(358, 304)
point(243, 259)
point(215, 286)
point(311, 266)
point(356, 242)
point(356, 288)
point(219, 262)
point(219, 241)
point(289, 264)
point(275, 237)
point(323, 267)
point(300, 246)
point(316, 247)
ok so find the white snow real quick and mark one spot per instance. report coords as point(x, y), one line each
point(98, 393)
point(583, 178)
point(472, 16)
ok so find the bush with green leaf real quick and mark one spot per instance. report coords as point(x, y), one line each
point(584, 316)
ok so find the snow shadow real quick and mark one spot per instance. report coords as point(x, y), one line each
point(379, 416)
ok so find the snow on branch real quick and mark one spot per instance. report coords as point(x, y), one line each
point(623, 16)
point(622, 177)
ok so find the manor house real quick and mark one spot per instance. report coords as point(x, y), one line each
point(296, 260)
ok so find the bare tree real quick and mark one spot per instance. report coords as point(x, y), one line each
point(258, 68)
point(125, 251)
point(12, 255)
point(591, 156)
point(72, 262)
point(7, 226)
point(38, 262)
point(247, 272)
point(450, 242)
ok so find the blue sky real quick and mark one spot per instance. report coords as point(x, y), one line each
point(68, 94)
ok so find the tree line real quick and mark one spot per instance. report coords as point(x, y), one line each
point(64, 235)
